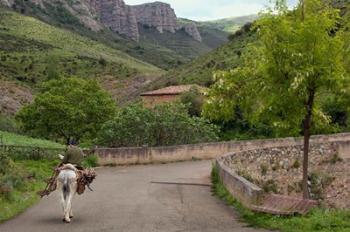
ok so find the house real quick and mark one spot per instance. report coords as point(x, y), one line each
point(166, 95)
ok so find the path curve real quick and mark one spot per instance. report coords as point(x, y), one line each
point(133, 199)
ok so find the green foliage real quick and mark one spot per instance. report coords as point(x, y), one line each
point(292, 62)
point(7, 138)
point(162, 126)
point(8, 124)
point(318, 220)
point(19, 186)
point(67, 108)
point(90, 162)
point(194, 100)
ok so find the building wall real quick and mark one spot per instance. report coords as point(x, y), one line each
point(151, 101)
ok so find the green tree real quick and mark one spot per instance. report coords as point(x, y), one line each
point(68, 108)
point(300, 56)
point(167, 124)
point(194, 100)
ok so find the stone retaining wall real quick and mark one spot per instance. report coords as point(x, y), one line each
point(246, 192)
point(279, 170)
point(145, 155)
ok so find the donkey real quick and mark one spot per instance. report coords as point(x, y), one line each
point(67, 184)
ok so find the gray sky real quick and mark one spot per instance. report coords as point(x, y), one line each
point(212, 9)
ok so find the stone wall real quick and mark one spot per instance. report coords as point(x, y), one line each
point(143, 155)
point(279, 170)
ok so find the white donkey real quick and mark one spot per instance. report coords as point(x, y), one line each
point(67, 184)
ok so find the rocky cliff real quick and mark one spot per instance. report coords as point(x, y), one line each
point(7, 2)
point(159, 15)
point(192, 30)
point(119, 17)
point(162, 17)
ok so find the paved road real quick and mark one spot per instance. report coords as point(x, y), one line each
point(126, 200)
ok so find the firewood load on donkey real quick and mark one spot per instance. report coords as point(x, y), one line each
point(69, 178)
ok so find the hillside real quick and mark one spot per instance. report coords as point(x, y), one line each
point(229, 25)
point(32, 51)
point(121, 31)
point(200, 71)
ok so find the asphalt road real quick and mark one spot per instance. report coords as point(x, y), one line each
point(127, 199)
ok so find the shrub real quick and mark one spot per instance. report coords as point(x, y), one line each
point(194, 100)
point(90, 162)
point(8, 124)
point(270, 186)
point(168, 124)
point(264, 168)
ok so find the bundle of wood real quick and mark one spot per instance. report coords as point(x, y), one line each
point(85, 178)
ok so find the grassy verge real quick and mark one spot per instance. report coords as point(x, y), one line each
point(8, 138)
point(30, 178)
point(320, 220)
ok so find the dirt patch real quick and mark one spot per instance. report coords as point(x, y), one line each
point(13, 97)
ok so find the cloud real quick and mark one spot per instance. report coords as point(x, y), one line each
point(213, 9)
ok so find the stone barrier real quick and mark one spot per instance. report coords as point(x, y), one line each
point(146, 155)
point(322, 149)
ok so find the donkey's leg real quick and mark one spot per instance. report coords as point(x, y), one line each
point(63, 201)
point(69, 202)
point(73, 188)
point(68, 208)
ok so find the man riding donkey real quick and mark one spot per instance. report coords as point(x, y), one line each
point(71, 160)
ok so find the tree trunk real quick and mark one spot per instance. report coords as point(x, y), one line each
point(307, 126)
point(302, 2)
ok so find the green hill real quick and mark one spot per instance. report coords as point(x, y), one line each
point(200, 71)
point(32, 51)
point(229, 25)
point(165, 51)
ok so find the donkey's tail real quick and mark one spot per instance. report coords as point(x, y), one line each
point(66, 188)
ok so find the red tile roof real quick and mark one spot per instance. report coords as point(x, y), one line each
point(171, 90)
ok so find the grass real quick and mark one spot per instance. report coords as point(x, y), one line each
point(8, 138)
point(35, 174)
point(320, 220)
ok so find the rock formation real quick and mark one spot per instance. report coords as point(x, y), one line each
point(121, 18)
point(117, 16)
point(8, 3)
point(159, 15)
point(192, 30)
point(162, 17)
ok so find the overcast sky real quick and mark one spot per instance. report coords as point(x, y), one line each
point(212, 9)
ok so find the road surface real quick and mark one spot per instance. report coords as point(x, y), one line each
point(127, 199)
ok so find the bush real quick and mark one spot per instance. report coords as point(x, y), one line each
point(165, 125)
point(194, 100)
point(90, 162)
point(8, 124)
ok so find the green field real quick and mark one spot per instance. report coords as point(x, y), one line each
point(20, 140)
